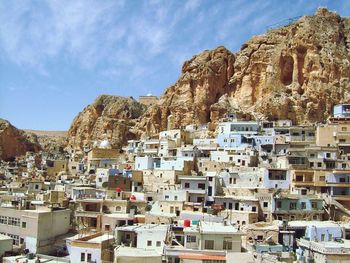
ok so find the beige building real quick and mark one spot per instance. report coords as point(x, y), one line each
point(333, 133)
point(148, 100)
point(93, 248)
point(34, 230)
point(213, 236)
point(57, 166)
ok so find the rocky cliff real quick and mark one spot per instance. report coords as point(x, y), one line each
point(204, 79)
point(15, 142)
point(107, 118)
point(298, 72)
point(295, 72)
point(51, 141)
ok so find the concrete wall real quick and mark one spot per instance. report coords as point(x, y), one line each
point(75, 254)
point(5, 245)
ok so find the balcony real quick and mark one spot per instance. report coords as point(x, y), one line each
point(331, 248)
point(338, 184)
point(81, 213)
point(341, 197)
point(309, 183)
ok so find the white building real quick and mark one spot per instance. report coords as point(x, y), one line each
point(6, 244)
point(148, 236)
point(213, 236)
point(93, 248)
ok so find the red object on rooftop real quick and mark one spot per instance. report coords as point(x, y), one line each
point(132, 197)
point(187, 223)
point(118, 190)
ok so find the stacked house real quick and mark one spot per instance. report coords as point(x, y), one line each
point(251, 191)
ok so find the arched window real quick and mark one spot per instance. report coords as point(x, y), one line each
point(118, 208)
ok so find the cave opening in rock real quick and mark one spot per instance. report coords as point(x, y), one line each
point(286, 66)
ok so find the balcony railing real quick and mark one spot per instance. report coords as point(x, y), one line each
point(321, 247)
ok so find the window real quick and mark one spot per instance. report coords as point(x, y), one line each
point(118, 209)
point(209, 244)
point(158, 243)
point(166, 197)
point(201, 186)
point(149, 243)
point(330, 237)
point(3, 220)
point(88, 257)
point(303, 205)
point(82, 257)
point(314, 205)
point(191, 239)
point(322, 237)
point(15, 239)
point(292, 206)
point(278, 204)
point(13, 221)
point(299, 178)
point(227, 245)
point(210, 179)
point(175, 197)
point(266, 204)
point(24, 224)
point(187, 185)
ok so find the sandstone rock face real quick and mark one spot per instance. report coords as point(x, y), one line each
point(52, 142)
point(108, 118)
point(15, 142)
point(296, 72)
point(204, 79)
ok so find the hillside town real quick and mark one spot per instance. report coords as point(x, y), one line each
point(252, 191)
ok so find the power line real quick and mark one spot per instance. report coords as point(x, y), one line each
point(284, 22)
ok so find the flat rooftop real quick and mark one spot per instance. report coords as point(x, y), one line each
point(212, 228)
point(135, 252)
point(4, 237)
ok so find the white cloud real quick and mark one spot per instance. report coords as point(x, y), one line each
point(116, 36)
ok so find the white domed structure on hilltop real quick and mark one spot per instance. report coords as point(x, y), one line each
point(105, 144)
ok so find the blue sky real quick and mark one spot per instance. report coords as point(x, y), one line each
point(57, 56)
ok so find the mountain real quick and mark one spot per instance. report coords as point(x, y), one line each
point(107, 118)
point(295, 72)
point(15, 142)
point(50, 141)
